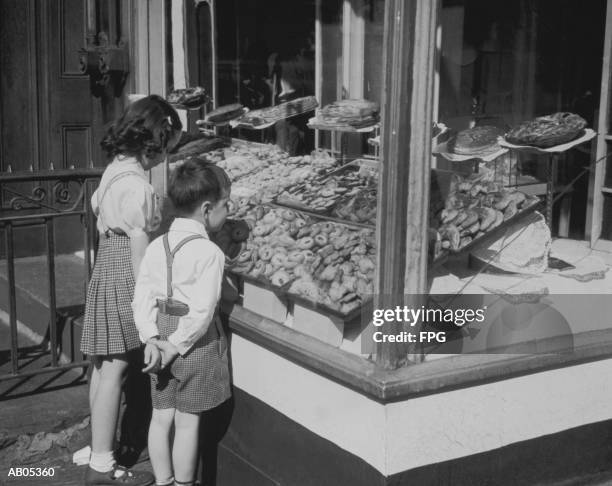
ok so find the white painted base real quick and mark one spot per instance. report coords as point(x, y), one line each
point(430, 429)
point(264, 302)
point(330, 330)
point(355, 341)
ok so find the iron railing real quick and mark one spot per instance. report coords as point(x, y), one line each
point(45, 199)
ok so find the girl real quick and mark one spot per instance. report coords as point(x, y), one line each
point(127, 209)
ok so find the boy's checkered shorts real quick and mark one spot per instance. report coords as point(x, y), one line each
point(197, 381)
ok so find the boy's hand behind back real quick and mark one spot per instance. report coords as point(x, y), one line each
point(152, 358)
point(168, 352)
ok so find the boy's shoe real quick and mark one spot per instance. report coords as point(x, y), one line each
point(128, 478)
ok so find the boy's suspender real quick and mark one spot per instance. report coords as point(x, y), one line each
point(170, 257)
point(177, 308)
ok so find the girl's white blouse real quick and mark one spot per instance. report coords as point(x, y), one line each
point(129, 205)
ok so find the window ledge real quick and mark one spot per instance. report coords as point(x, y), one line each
point(426, 378)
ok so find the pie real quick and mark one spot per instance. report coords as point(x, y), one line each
point(547, 131)
point(478, 141)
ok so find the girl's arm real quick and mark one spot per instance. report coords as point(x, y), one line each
point(146, 292)
point(138, 244)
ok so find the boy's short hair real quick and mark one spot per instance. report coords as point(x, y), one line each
point(196, 181)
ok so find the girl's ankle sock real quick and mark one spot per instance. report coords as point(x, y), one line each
point(165, 482)
point(102, 461)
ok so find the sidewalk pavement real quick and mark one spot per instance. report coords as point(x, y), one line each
point(65, 473)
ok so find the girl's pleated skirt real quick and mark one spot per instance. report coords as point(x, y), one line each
point(109, 321)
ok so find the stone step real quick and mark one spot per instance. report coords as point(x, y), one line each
point(32, 301)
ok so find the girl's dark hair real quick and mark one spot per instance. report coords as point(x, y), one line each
point(196, 181)
point(145, 127)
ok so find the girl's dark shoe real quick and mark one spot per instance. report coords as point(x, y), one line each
point(110, 478)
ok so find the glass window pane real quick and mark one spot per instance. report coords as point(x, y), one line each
point(504, 62)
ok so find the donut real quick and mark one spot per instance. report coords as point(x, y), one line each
point(320, 239)
point(271, 217)
point(302, 232)
point(245, 256)
point(315, 229)
point(328, 227)
point(308, 254)
point(293, 229)
point(300, 271)
point(240, 231)
point(296, 256)
point(269, 270)
point(260, 230)
point(251, 222)
point(265, 253)
point(288, 215)
point(289, 265)
point(305, 243)
point(278, 248)
point(258, 269)
point(278, 260)
point(280, 278)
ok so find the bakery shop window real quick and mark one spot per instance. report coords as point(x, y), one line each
point(503, 63)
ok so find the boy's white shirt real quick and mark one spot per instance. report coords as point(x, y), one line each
point(197, 274)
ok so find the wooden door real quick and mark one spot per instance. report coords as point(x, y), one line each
point(49, 118)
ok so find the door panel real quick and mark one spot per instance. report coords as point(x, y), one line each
point(74, 121)
point(18, 86)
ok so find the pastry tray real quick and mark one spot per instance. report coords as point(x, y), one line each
point(263, 282)
point(283, 293)
point(312, 123)
point(236, 123)
point(325, 213)
point(495, 233)
point(180, 106)
point(324, 217)
point(442, 150)
point(203, 122)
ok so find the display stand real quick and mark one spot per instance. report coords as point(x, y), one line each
point(552, 163)
point(338, 133)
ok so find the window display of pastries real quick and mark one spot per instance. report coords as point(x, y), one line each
point(325, 262)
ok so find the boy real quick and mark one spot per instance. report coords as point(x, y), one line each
point(175, 310)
